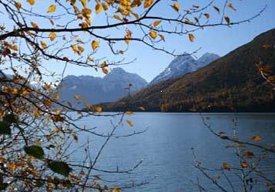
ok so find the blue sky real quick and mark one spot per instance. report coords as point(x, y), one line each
point(219, 40)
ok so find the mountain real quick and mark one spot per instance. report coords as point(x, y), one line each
point(231, 83)
point(182, 65)
point(206, 59)
point(93, 90)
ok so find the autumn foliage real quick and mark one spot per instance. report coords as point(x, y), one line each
point(35, 128)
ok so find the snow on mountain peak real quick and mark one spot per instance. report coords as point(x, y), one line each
point(183, 64)
point(206, 59)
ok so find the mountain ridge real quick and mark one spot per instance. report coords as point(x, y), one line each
point(182, 65)
point(93, 90)
point(231, 83)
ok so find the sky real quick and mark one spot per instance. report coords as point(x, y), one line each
point(220, 40)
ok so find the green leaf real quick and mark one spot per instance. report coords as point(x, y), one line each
point(59, 167)
point(10, 118)
point(35, 151)
point(5, 128)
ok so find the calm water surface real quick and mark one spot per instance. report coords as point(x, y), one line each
point(165, 148)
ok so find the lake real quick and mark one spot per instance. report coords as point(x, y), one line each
point(168, 145)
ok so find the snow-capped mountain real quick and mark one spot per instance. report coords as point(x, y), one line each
point(206, 59)
point(93, 90)
point(182, 65)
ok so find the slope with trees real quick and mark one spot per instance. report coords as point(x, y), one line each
point(232, 83)
point(36, 130)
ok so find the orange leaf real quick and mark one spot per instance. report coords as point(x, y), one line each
point(105, 70)
point(156, 23)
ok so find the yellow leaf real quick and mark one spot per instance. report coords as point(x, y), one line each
point(256, 138)
point(52, 36)
point(72, 2)
point(31, 2)
point(226, 166)
point(125, 3)
point(129, 112)
point(51, 9)
point(89, 58)
point(176, 6)
point(36, 113)
point(47, 102)
point(116, 189)
point(130, 123)
point(47, 86)
point(153, 34)
point(105, 6)
point(191, 37)
point(84, 3)
point(271, 78)
point(34, 25)
point(18, 5)
point(156, 23)
point(142, 108)
point(14, 91)
point(98, 109)
point(11, 167)
point(117, 17)
point(80, 49)
point(148, 3)
point(123, 11)
point(266, 46)
point(85, 25)
point(95, 44)
point(14, 47)
point(43, 44)
point(98, 8)
point(231, 6)
point(74, 48)
point(135, 15)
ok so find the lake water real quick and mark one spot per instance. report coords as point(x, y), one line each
point(165, 149)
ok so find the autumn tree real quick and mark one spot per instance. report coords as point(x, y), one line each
point(36, 129)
